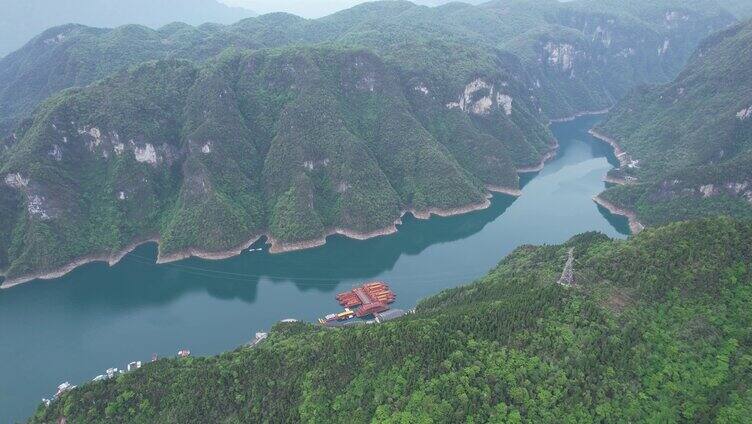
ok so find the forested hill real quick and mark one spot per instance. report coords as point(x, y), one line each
point(292, 143)
point(692, 137)
point(655, 329)
point(207, 137)
point(596, 49)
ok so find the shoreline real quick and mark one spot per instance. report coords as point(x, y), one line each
point(624, 159)
point(275, 245)
point(621, 155)
point(634, 225)
point(580, 115)
point(612, 180)
point(550, 154)
point(280, 247)
point(109, 259)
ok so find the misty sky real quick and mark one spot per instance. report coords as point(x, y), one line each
point(310, 8)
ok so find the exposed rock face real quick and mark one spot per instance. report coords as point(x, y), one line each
point(59, 38)
point(56, 153)
point(36, 206)
point(732, 188)
point(505, 102)
point(118, 148)
point(676, 188)
point(560, 55)
point(422, 88)
point(145, 153)
point(664, 48)
point(744, 113)
point(16, 180)
point(603, 35)
point(479, 97)
point(708, 190)
point(314, 164)
point(674, 18)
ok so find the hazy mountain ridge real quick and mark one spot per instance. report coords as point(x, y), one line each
point(73, 56)
point(22, 20)
point(692, 137)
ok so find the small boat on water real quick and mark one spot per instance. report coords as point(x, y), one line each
point(342, 316)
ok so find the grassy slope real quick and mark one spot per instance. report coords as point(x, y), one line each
point(658, 329)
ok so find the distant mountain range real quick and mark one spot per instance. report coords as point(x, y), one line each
point(207, 137)
point(21, 20)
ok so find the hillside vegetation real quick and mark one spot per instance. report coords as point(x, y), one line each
point(207, 137)
point(692, 137)
point(293, 143)
point(596, 50)
point(655, 329)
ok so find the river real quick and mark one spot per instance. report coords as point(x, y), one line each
point(96, 317)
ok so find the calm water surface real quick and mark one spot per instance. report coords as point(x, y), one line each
point(73, 328)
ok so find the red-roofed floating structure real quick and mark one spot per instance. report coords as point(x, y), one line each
point(370, 298)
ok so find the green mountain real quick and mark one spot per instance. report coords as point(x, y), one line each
point(296, 143)
point(595, 50)
point(654, 329)
point(692, 138)
point(22, 20)
point(299, 128)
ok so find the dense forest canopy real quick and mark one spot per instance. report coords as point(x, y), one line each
point(654, 329)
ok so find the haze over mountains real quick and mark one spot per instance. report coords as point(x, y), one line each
point(22, 20)
point(317, 8)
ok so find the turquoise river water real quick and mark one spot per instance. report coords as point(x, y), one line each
point(96, 317)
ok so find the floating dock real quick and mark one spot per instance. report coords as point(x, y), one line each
point(368, 299)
